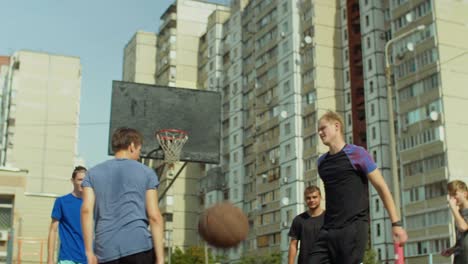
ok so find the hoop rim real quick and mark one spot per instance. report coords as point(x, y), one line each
point(182, 133)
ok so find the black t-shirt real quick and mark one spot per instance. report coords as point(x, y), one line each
point(461, 251)
point(344, 175)
point(305, 228)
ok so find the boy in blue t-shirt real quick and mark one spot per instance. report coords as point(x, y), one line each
point(66, 219)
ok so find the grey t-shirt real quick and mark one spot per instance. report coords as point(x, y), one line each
point(461, 253)
point(121, 223)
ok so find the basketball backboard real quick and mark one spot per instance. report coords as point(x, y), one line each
point(149, 108)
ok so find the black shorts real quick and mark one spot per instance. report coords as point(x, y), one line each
point(340, 246)
point(145, 257)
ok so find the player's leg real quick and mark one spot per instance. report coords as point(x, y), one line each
point(320, 253)
point(349, 243)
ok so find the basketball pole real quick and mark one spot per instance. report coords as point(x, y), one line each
point(172, 182)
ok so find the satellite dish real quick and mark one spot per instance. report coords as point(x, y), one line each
point(410, 46)
point(284, 114)
point(434, 116)
point(308, 39)
point(285, 201)
point(409, 17)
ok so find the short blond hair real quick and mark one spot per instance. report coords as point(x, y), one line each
point(456, 185)
point(331, 116)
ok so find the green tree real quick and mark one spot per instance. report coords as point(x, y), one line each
point(273, 258)
point(370, 257)
point(192, 255)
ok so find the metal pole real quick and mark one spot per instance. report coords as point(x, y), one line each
point(391, 122)
point(161, 196)
point(206, 254)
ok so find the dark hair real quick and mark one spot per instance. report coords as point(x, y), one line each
point(123, 137)
point(312, 189)
point(78, 169)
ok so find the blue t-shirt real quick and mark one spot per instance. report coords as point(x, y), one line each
point(344, 175)
point(67, 211)
point(121, 223)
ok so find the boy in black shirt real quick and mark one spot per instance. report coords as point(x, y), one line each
point(306, 226)
point(346, 170)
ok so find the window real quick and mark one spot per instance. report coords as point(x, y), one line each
point(374, 155)
point(369, 64)
point(285, 27)
point(368, 41)
point(286, 87)
point(287, 128)
point(374, 134)
point(286, 67)
point(371, 86)
point(367, 21)
point(377, 205)
point(348, 97)
point(372, 109)
point(287, 150)
point(377, 227)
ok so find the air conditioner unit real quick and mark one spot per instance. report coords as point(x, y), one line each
point(284, 224)
point(285, 180)
point(283, 34)
point(3, 235)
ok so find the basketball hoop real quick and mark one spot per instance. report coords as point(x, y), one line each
point(171, 142)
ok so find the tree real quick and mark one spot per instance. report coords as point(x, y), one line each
point(273, 258)
point(369, 256)
point(193, 255)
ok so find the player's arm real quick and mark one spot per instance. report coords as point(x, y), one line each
point(156, 223)
point(51, 240)
point(87, 216)
point(292, 251)
point(377, 180)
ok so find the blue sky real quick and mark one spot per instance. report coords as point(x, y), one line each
point(94, 30)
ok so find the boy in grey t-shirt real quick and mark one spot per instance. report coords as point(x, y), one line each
point(458, 203)
point(120, 195)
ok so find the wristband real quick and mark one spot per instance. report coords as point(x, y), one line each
point(397, 223)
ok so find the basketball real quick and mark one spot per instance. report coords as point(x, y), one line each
point(223, 225)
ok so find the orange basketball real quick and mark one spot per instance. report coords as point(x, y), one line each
point(223, 225)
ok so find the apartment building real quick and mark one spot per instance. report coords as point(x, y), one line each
point(429, 96)
point(279, 65)
point(139, 62)
point(179, 43)
point(40, 111)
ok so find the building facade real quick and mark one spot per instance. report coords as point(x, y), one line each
point(139, 62)
point(280, 65)
point(39, 119)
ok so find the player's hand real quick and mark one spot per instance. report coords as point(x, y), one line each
point(399, 235)
point(452, 203)
point(92, 259)
point(447, 252)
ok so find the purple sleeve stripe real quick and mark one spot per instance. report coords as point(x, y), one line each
point(360, 159)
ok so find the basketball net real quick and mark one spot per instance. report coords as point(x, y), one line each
point(171, 141)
